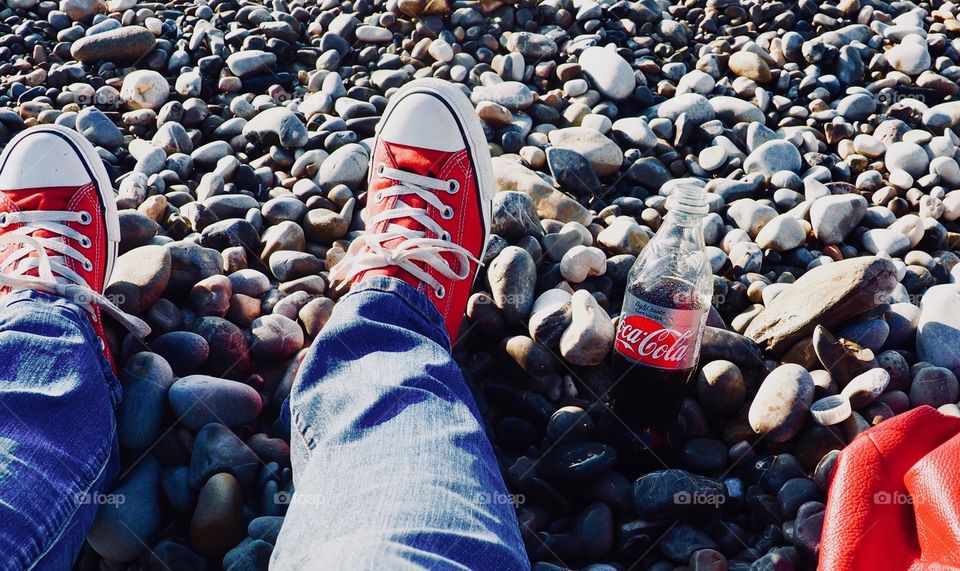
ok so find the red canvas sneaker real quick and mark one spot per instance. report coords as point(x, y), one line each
point(429, 196)
point(59, 228)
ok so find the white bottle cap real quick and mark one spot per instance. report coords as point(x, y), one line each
point(831, 410)
point(687, 199)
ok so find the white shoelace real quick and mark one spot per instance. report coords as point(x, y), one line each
point(55, 277)
point(367, 251)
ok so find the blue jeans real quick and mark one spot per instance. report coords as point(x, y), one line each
point(391, 464)
point(58, 438)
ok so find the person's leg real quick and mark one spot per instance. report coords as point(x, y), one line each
point(58, 445)
point(392, 467)
point(391, 464)
point(59, 231)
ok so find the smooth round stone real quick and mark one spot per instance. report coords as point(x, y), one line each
point(229, 351)
point(603, 154)
point(721, 388)
point(277, 124)
point(253, 555)
point(696, 107)
point(514, 215)
point(834, 217)
point(512, 276)
point(286, 265)
point(575, 464)
point(668, 495)
point(771, 157)
point(750, 65)
point(910, 56)
point(248, 62)
point(908, 157)
point(938, 327)
point(374, 34)
point(275, 338)
point(635, 132)
point(218, 523)
point(124, 44)
point(123, 529)
point(146, 380)
point(782, 402)
point(200, 399)
point(347, 165)
point(217, 449)
point(857, 107)
point(712, 158)
point(79, 10)
point(781, 234)
point(581, 262)
point(869, 146)
point(139, 278)
point(572, 171)
point(871, 334)
point(866, 387)
point(934, 386)
point(570, 424)
point(98, 128)
point(589, 337)
point(610, 73)
point(885, 240)
point(696, 81)
point(513, 95)
point(144, 89)
point(185, 351)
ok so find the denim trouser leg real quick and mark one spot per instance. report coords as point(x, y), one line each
point(392, 467)
point(58, 447)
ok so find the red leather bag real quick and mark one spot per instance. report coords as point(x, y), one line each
point(894, 502)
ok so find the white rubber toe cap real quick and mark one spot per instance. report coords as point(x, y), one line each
point(423, 120)
point(43, 158)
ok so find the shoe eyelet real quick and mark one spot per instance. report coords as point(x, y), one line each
point(447, 213)
point(3, 219)
point(378, 196)
point(454, 186)
point(440, 292)
point(87, 265)
point(85, 242)
point(445, 236)
point(380, 169)
point(85, 217)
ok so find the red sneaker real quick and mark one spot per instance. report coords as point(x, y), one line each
point(429, 196)
point(59, 228)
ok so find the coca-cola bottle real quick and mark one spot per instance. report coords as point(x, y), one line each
point(665, 309)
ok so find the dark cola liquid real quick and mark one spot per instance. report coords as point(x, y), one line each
point(645, 400)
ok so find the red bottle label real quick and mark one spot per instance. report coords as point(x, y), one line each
point(660, 337)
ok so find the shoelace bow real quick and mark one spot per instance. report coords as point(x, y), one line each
point(55, 277)
point(367, 252)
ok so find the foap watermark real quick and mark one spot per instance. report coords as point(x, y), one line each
point(894, 498)
point(285, 498)
point(699, 499)
point(100, 499)
point(693, 299)
point(890, 97)
point(500, 498)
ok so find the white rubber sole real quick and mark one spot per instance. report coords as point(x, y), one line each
point(466, 116)
point(88, 155)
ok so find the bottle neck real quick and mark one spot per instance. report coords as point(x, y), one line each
point(683, 218)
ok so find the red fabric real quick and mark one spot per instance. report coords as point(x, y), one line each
point(465, 228)
point(75, 199)
point(894, 502)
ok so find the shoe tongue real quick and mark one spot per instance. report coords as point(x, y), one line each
point(425, 162)
point(43, 200)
